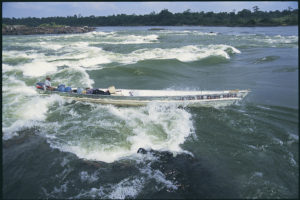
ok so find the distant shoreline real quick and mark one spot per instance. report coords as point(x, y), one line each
point(25, 30)
point(243, 18)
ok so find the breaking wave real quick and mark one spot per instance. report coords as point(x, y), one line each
point(94, 58)
point(110, 133)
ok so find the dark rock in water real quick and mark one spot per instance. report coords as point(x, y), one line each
point(156, 29)
point(25, 30)
point(142, 151)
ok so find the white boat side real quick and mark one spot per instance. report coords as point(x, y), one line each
point(171, 93)
point(128, 97)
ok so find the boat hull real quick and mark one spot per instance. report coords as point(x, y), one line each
point(195, 99)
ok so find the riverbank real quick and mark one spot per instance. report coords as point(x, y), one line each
point(25, 30)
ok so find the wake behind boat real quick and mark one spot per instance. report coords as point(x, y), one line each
point(133, 97)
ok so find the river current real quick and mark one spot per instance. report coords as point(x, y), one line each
point(58, 148)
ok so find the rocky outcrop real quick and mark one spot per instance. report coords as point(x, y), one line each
point(156, 29)
point(25, 30)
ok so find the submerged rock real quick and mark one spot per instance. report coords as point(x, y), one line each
point(142, 151)
point(156, 29)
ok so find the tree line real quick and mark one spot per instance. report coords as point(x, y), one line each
point(244, 17)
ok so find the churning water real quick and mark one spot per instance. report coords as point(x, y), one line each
point(58, 148)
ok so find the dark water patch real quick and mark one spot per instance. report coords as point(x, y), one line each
point(63, 59)
point(55, 113)
point(251, 139)
point(62, 67)
point(67, 76)
point(28, 166)
point(19, 48)
point(31, 82)
point(266, 59)
point(15, 72)
point(152, 74)
point(16, 61)
point(124, 48)
point(21, 138)
point(34, 170)
point(286, 69)
point(276, 117)
point(212, 60)
point(190, 176)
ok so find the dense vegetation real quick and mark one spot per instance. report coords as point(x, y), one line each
point(166, 18)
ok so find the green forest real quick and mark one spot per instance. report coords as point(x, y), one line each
point(244, 17)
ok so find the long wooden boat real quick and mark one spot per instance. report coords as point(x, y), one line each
point(133, 97)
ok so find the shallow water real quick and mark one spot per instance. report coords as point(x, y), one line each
point(58, 148)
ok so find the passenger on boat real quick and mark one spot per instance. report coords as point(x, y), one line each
point(97, 91)
point(48, 83)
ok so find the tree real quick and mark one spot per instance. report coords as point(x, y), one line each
point(255, 9)
point(187, 11)
point(245, 13)
point(165, 17)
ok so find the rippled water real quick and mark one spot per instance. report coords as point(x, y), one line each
point(58, 148)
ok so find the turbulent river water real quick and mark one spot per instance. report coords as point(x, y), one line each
point(58, 148)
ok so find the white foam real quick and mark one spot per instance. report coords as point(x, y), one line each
point(15, 95)
point(21, 54)
point(19, 90)
point(258, 174)
point(292, 160)
point(17, 87)
point(185, 54)
point(76, 77)
point(278, 39)
point(63, 188)
point(48, 45)
point(293, 136)
point(88, 62)
point(38, 68)
point(7, 68)
point(205, 33)
point(155, 126)
point(100, 33)
point(93, 192)
point(127, 188)
point(28, 114)
point(64, 162)
point(127, 39)
point(42, 65)
point(11, 131)
point(158, 176)
point(85, 177)
point(103, 153)
point(90, 58)
point(186, 32)
point(277, 141)
point(36, 108)
point(136, 39)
